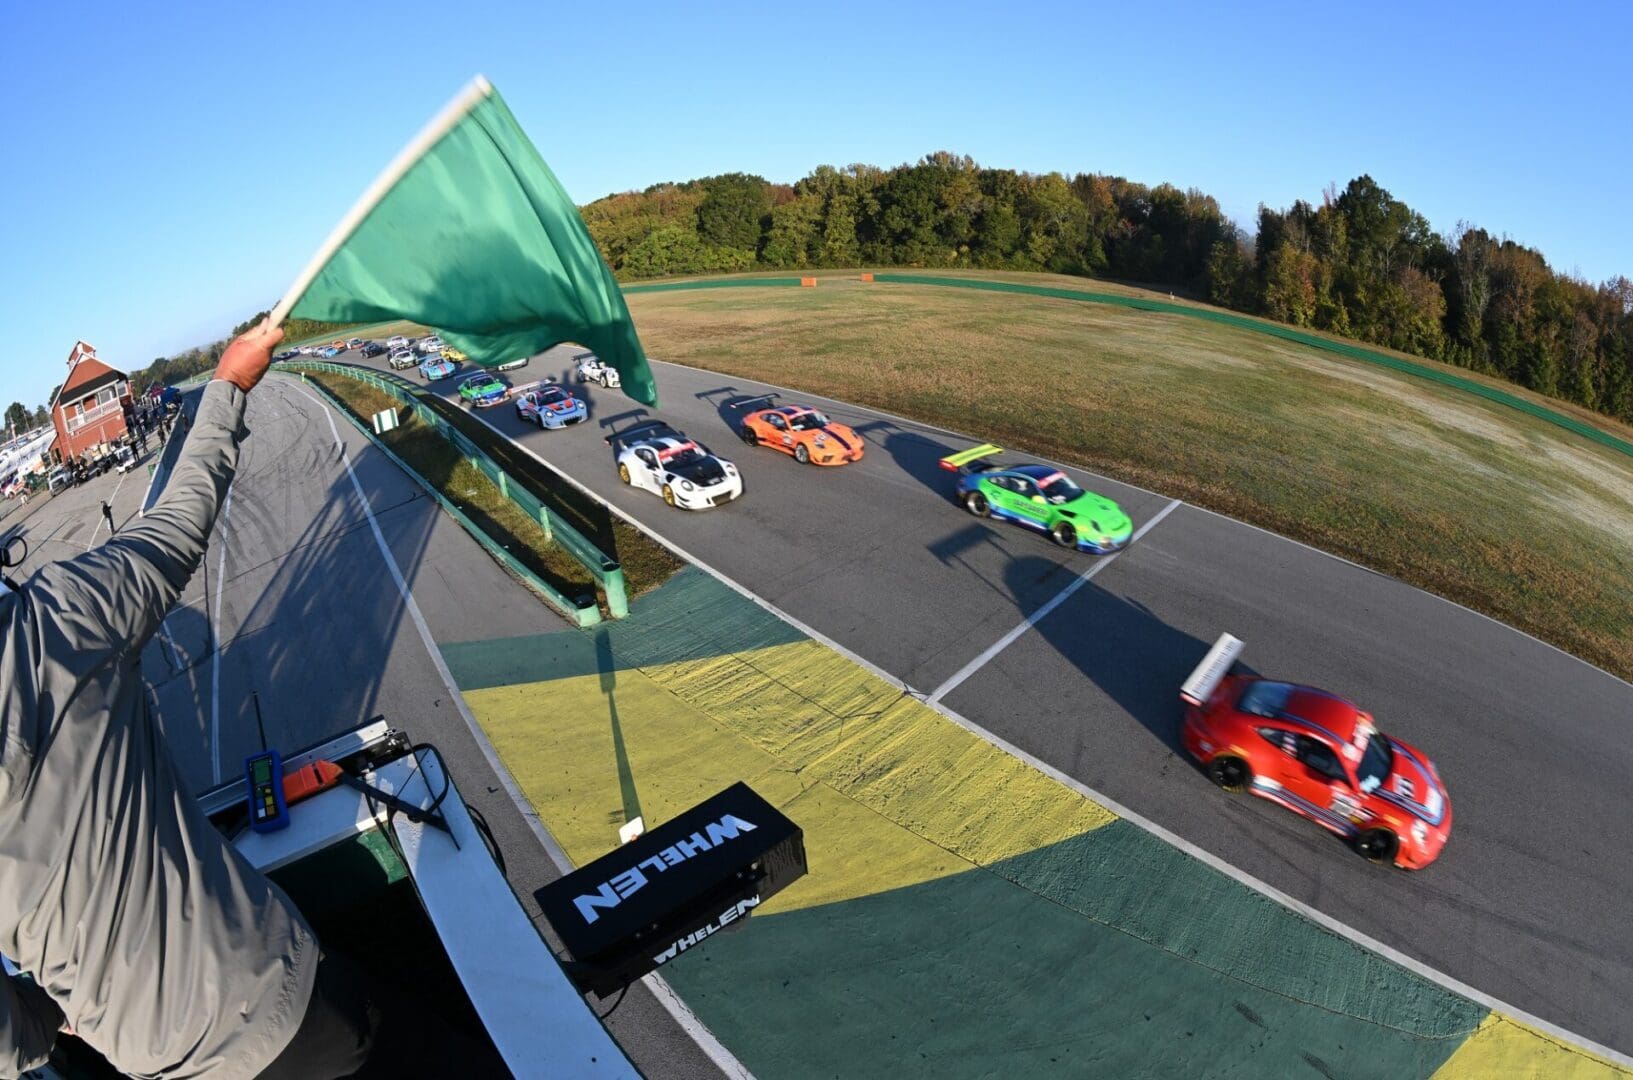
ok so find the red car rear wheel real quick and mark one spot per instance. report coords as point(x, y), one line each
point(1230, 773)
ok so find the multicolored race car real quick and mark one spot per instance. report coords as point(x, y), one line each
point(801, 431)
point(1039, 497)
point(1318, 755)
point(482, 390)
point(551, 405)
point(657, 458)
point(437, 367)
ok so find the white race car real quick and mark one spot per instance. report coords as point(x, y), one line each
point(397, 342)
point(657, 458)
point(592, 369)
point(402, 358)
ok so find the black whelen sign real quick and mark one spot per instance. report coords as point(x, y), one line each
point(634, 908)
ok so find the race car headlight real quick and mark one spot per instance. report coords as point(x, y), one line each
point(1420, 833)
point(686, 485)
point(731, 470)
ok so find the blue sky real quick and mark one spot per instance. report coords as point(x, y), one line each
point(170, 168)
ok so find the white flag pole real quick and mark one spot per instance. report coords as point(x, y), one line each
point(452, 114)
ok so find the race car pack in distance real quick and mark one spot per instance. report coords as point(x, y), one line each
point(655, 457)
point(800, 431)
point(1039, 497)
point(551, 405)
point(1316, 754)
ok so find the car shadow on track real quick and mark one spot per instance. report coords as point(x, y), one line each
point(730, 404)
point(914, 453)
point(1119, 645)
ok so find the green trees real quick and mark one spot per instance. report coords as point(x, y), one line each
point(734, 211)
point(17, 416)
point(1358, 262)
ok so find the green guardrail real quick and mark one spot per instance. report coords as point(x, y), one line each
point(1288, 333)
point(605, 569)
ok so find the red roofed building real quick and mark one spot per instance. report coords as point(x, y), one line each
point(90, 408)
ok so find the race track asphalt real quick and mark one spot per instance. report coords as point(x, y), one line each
point(1532, 901)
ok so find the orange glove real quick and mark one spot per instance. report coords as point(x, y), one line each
point(247, 358)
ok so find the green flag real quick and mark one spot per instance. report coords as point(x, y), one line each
point(469, 232)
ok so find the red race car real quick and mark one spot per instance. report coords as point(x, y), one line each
point(1317, 755)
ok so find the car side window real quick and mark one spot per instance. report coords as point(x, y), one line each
point(1026, 488)
point(648, 456)
point(1320, 757)
point(1281, 740)
point(1003, 482)
point(776, 421)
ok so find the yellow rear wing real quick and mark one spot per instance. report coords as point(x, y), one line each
point(955, 462)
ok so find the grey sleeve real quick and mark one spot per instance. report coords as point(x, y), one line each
point(126, 586)
point(29, 1021)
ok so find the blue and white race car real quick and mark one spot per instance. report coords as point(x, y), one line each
point(437, 367)
point(551, 405)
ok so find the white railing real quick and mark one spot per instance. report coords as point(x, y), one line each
point(95, 414)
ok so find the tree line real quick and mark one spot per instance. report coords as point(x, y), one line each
point(1358, 263)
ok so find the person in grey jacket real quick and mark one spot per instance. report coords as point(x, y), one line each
point(145, 932)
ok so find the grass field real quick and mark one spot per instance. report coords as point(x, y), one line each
point(1475, 502)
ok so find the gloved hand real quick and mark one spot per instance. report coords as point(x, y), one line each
point(247, 358)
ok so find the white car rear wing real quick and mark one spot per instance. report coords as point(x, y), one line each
point(1211, 671)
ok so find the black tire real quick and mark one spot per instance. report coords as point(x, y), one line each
point(1378, 845)
point(802, 455)
point(1064, 534)
point(976, 503)
point(748, 436)
point(1230, 773)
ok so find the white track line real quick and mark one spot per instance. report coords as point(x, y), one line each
point(1270, 892)
point(688, 1022)
point(215, 639)
point(1033, 619)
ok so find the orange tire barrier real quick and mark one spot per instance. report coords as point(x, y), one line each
point(808, 282)
point(867, 277)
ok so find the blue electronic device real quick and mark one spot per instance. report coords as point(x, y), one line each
point(263, 776)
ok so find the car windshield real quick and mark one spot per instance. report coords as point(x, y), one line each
point(810, 421)
point(1058, 489)
point(1376, 761)
point(685, 457)
point(552, 396)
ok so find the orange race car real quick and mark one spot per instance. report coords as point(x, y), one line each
point(799, 430)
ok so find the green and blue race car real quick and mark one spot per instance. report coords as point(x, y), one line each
point(483, 389)
point(1039, 497)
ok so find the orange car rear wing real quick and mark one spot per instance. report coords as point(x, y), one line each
point(964, 458)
